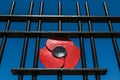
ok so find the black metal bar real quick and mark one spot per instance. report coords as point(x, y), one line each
point(6, 29)
point(35, 64)
point(83, 59)
point(56, 18)
point(59, 74)
point(24, 53)
point(34, 34)
point(54, 71)
point(94, 53)
point(113, 38)
point(59, 13)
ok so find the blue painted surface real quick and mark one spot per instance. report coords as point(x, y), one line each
point(104, 47)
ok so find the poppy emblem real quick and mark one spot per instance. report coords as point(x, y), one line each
point(59, 53)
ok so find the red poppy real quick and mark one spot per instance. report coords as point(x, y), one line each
point(59, 53)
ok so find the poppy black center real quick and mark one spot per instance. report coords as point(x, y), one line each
point(59, 52)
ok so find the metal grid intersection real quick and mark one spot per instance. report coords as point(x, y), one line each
point(41, 34)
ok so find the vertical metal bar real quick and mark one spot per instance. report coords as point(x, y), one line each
point(59, 13)
point(6, 29)
point(113, 38)
point(83, 59)
point(94, 55)
point(59, 75)
point(35, 64)
point(24, 53)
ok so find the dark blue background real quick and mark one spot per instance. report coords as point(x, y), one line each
point(105, 51)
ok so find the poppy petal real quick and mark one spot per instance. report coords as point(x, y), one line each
point(53, 42)
point(48, 60)
point(73, 56)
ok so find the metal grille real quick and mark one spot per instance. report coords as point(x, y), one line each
point(84, 71)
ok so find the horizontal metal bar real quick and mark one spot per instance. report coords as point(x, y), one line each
point(33, 34)
point(56, 18)
point(54, 71)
